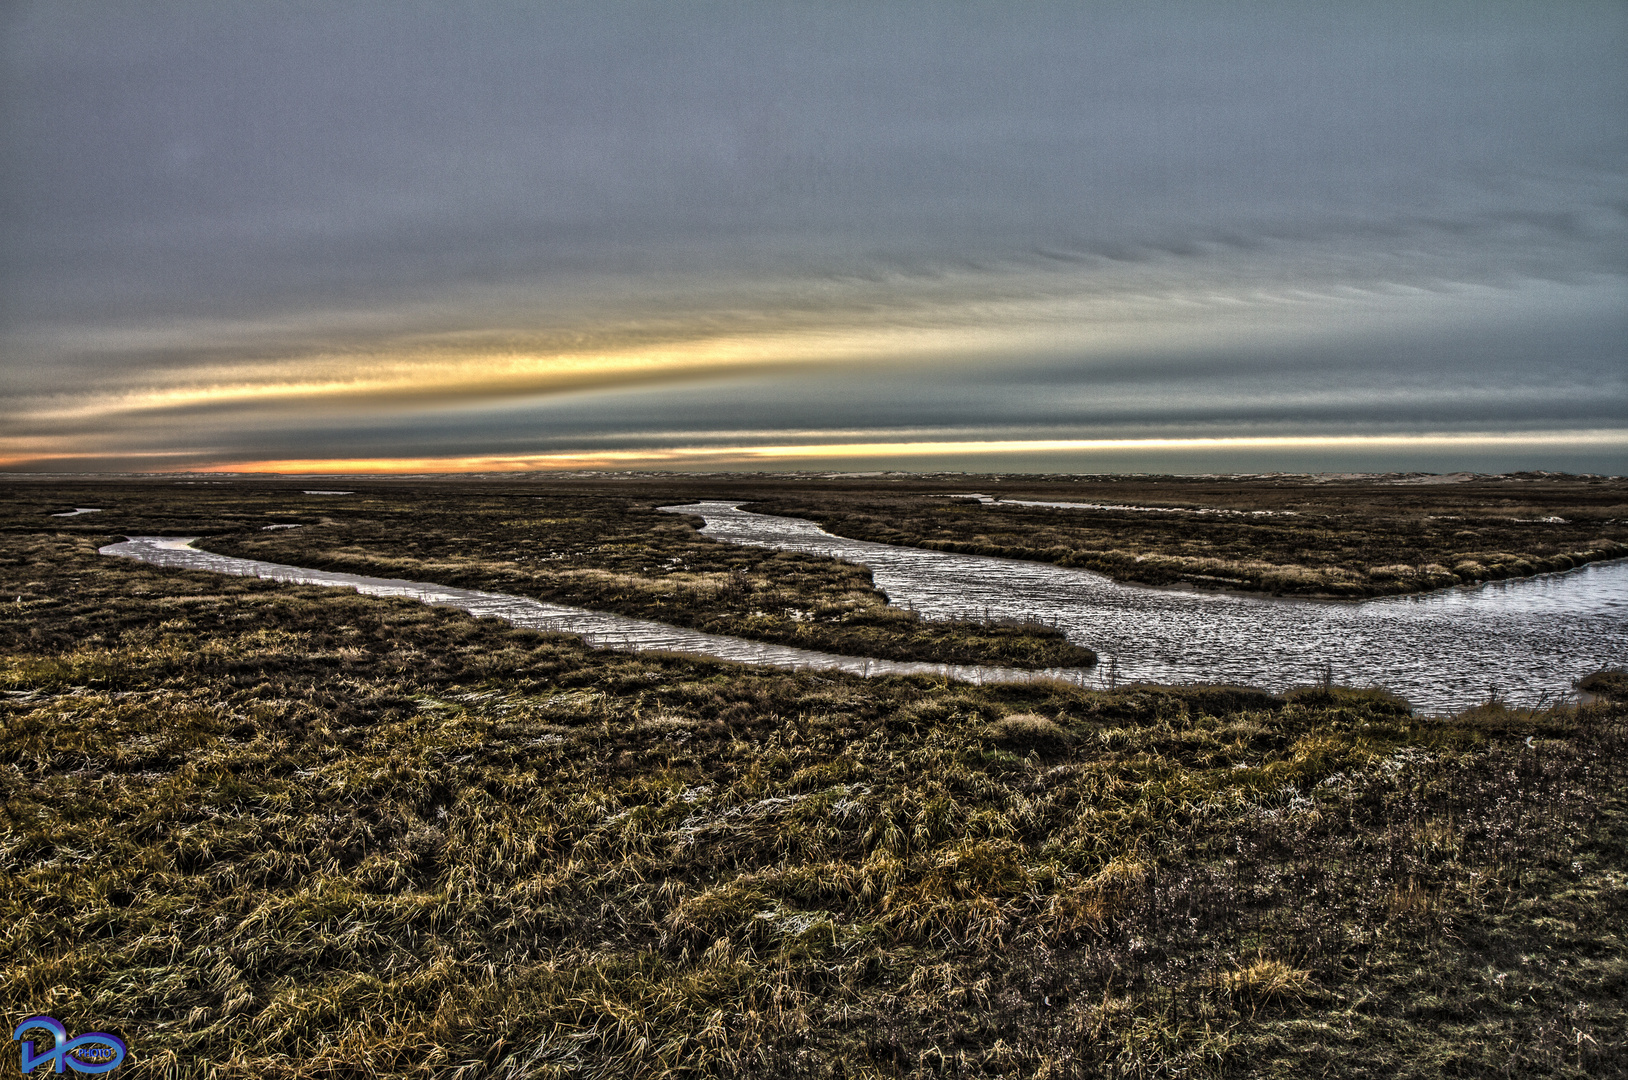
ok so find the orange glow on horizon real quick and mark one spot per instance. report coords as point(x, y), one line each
point(769, 455)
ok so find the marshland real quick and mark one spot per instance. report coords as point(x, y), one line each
point(260, 829)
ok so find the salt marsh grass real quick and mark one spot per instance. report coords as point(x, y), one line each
point(261, 830)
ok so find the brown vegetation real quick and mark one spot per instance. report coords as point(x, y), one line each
point(261, 830)
point(1612, 684)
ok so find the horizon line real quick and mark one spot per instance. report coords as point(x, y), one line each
point(735, 458)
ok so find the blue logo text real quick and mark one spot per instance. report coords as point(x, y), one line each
point(92, 1052)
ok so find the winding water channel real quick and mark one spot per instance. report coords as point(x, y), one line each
point(598, 629)
point(1526, 640)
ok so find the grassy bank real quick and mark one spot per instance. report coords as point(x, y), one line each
point(605, 551)
point(1349, 539)
point(265, 831)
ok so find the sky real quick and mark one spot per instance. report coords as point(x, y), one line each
point(1083, 237)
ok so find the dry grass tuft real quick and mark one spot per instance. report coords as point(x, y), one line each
point(1028, 733)
point(1266, 980)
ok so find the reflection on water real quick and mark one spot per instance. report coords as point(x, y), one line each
point(1525, 640)
point(596, 628)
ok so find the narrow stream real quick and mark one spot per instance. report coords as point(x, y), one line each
point(1525, 641)
point(597, 629)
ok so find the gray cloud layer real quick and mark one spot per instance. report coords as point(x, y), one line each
point(189, 185)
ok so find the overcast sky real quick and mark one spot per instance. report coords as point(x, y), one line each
point(936, 235)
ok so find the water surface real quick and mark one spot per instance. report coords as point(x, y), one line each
point(1525, 640)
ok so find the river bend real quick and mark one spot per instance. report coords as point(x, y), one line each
point(1526, 640)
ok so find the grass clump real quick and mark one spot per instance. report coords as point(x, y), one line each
point(1610, 683)
point(1028, 733)
point(1267, 980)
